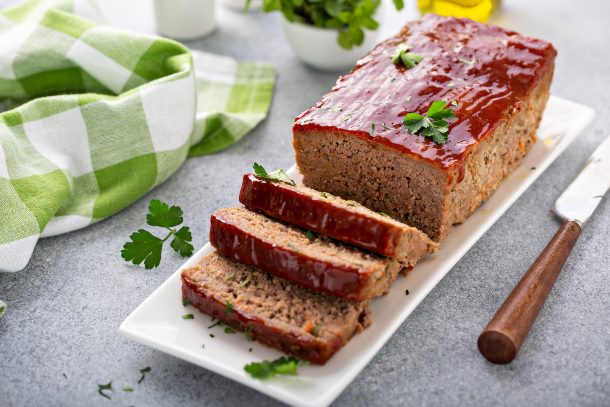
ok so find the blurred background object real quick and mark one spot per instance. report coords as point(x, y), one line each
point(479, 10)
point(331, 34)
point(243, 5)
point(185, 19)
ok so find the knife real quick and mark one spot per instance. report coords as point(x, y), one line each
point(502, 337)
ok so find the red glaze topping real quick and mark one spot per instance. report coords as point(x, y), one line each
point(290, 264)
point(487, 70)
point(304, 346)
point(321, 215)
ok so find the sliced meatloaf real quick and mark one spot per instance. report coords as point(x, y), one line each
point(353, 143)
point(347, 221)
point(311, 326)
point(310, 260)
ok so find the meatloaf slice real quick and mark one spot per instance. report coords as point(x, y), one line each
point(347, 221)
point(310, 260)
point(311, 326)
point(353, 143)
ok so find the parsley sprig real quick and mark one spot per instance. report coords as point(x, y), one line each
point(406, 58)
point(275, 176)
point(433, 124)
point(146, 247)
point(267, 369)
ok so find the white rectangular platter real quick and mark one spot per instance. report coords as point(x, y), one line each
point(157, 322)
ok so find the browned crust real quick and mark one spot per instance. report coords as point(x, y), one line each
point(322, 215)
point(339, 279)
point(307, 347)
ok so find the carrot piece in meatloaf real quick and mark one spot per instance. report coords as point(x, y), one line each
point(312, 326)
point(347, 221)
point(353, 142)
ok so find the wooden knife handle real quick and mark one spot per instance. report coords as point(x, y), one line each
point(502, 337)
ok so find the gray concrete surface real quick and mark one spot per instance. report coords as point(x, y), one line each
point(59, 338)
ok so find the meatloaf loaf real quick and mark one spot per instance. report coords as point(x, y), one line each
point(353, 143)
point(300, 256)
point(347, 221)
point(311, 326)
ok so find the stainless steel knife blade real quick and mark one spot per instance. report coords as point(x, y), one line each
point(579, 200)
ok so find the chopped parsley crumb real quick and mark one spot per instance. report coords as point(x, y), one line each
point(231, 277)
point(248, 333)
point(147, 369)
point(214, 324)
point(229, 330)
point(229, 309)
point(186, 301)
point(310, 235)
point(188, 316)
point(266, 369)
point(351, 204)
point(245, 282)
point(408, 59)
point(384, 126)
point(127, 389)
point(211, 335)
point(407, 292)
point(372, 130)
point(316, 329)
point(275, 176)
point(103, 387)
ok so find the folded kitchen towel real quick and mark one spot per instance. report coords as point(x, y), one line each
point(100, 116)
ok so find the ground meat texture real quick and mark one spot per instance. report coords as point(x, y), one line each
point(500, 82)
point(299, 322)
point(310, 260)
point(327, 214)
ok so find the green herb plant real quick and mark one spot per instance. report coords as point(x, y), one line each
point(146, 247)
point(434, 124)
point(349, 17)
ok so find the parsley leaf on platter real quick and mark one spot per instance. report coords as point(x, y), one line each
point(267, 369)
point(146, 247)
point(434, 124)
point(275, 176)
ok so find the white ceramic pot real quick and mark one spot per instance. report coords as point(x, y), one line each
point(319, 48)
point(185, 19)
point(240, 5)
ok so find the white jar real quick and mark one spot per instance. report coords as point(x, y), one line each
point(319, 48)
point(185, 19)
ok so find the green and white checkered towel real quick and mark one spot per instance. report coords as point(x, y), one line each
point(100, 116)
